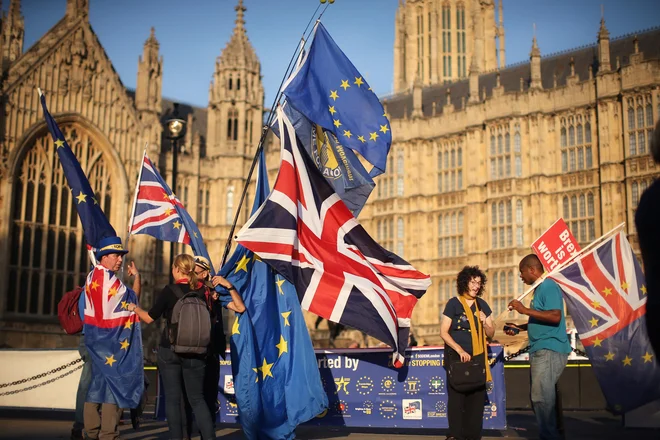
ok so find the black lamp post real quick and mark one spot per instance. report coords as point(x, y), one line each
point(175, 129)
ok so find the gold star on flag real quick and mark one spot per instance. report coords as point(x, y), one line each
point(344, 84)
point(94, 285)
point(593, 321)
point(609, 356)
point(348, 133)
point(255, 257)
point(124, 305)
point(81, 198)
point(373, 136)
point(283, 346)
point(279, 283)
point(595, 304)
point(624, 285)
point(112, 292)
point(361, 139)
point(607, 291)
point(195, 234)
point(94, 200)
point(176, 224)
point(285, 315)
point(627, 361)
point(256, 370)
point(333, 94)
point(643, 289)
point(234, 327)
point(337, 123)
point(165, 196)
point(597, 342)
point(59, 143)
point(110, 360)
point(265, 369)
point(124, 344)
point(128, 324)
point(169, 211)
point(384, 128)
point(242, 265)
point(358, 81)
point(647, 357)
point(332, 109)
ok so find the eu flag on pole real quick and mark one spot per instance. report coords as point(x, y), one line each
point(605, 293)
point(276, 376)
point(340, 166)
point(94, 222)
point(330, 92)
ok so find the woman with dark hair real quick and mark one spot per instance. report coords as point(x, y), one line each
point(466, 322)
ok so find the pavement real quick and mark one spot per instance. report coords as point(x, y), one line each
point(56, 425)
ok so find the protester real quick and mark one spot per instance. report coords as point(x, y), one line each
point(648, 233)
point(103, 426)
point(176, 367)
point(466, 322)
point(548, 342)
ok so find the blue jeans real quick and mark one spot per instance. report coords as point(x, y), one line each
point(83, 385)
point(181, 373)
point(545, 368)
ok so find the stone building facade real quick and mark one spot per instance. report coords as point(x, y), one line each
point(484, 158)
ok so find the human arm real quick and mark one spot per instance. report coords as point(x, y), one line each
point(143, 314)
point(157, 309)
point(521, 327)
point(137, 281)
point(237, 305)
point(445, 325)
point(486, 318)
point(548, 304)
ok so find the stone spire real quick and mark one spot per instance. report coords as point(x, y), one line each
point(77, 8)
point(603, 48)
point(535, 65)
point(417, 98)
point(13, 30)
point(149, 77)
point(474, 80)
point(500, 35)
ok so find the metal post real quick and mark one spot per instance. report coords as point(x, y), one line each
point(175, 160)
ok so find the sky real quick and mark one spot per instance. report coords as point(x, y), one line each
point(193, 33)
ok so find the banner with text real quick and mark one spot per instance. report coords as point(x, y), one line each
point(364, 390)
point(556, 245)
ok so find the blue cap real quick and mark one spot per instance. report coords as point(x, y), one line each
point(109, 245)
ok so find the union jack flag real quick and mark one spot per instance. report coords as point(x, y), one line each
point(113, 340)
point(155, 211)
point(309, 236)
point(605, 294)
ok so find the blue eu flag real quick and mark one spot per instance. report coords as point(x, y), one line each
point(276, 376)
point(340, 166)
point(330, 92)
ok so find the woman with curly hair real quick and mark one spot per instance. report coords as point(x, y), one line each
point(466, 323)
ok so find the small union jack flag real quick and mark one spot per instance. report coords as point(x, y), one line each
point(605, 293)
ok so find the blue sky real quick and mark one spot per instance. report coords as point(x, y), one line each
point(193, 33)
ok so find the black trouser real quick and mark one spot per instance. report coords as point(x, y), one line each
point(465, 411)
point(211, 382)
point(176, 372)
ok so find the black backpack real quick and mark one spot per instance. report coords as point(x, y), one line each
point(190, 325)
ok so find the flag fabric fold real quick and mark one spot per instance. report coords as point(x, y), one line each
point(605, 293)
point(340, 166)
point(330, 92)
point(340, 273)
point(276, 377)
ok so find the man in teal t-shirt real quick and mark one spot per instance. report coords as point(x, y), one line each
point(548, 342)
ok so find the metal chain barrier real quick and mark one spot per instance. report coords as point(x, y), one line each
point(39, 376)
point(526, 349)
point(8, 393)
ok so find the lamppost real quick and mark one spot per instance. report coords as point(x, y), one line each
point(175, 129)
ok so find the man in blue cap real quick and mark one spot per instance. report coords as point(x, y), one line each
point(104, 319)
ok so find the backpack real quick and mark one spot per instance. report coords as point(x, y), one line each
point(68, 312)
point(190, 326)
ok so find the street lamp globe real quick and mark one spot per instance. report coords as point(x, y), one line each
point(175, 128)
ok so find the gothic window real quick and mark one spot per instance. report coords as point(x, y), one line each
point(579, 214)
point(232, 125)
point(519, 223)
point(637, 188)
point(420, 42)
point(517, 150)
point(238, 84)
point(203, 204)
point(450, 234)
point(460, 39)
point(399, 236)
point(446, 42)
point(576, 153)
point(450, 169)
point(399, 172)
point(501, 223)
point(500, 152)
point(48, 254)
point(229, 213)
point(640, 124)
point(231, 82)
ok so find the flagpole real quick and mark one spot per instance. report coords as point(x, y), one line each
point(564, 264)
point(135, 196)
point(264, 133)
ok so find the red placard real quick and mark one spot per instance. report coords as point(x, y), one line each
point(556, 245)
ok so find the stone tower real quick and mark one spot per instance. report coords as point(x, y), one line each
point(13, 29)
point(436, 40)
point(149, 77)
point(236, 96)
